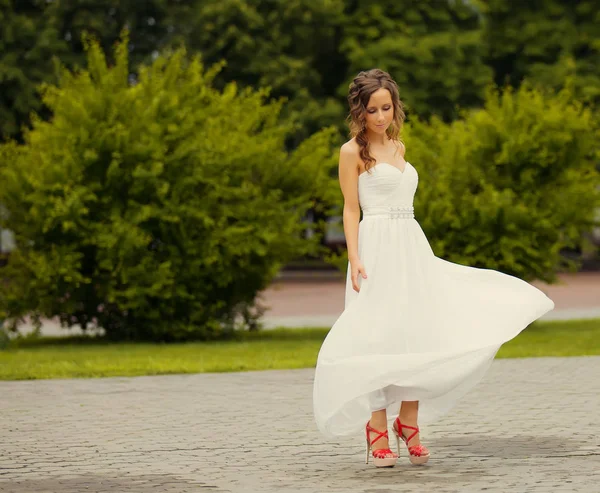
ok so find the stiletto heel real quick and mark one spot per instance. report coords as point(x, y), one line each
point(380, 455)
point(418, 454)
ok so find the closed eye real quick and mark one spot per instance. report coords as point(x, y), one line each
point(385, 108)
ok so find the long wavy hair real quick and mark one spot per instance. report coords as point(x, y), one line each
point(359, 93)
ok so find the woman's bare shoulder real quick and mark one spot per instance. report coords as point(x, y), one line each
point(350, 155)
point(400, 145)
point(350, 150)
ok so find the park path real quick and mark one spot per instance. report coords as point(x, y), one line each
point(317, 299)
point(531, 425)
point(296, 301)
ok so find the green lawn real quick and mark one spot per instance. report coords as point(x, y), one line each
point(284, 348)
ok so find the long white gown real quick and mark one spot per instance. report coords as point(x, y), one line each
point(421, 328)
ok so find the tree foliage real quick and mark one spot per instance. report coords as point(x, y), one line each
point(442, 53)
point(147, 21)
point(290, 46)
point(510, 185)
point(27, 44)
point(545, 41)
point(432, 49)
point(156, 210)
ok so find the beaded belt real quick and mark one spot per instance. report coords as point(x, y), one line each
point(390, 211)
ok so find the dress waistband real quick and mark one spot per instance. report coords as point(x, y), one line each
point(393, 212)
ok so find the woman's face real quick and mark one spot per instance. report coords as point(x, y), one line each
point(380, 111)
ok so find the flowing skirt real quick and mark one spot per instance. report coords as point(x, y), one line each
point(421, 328)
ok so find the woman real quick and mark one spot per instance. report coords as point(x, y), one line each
point(417, 331)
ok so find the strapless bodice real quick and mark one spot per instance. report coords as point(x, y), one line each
point(387, 188)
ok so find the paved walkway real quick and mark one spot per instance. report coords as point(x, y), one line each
point(318, 302)
point(530, 426)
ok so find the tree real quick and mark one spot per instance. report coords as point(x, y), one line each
point(36, 31)
point(147, 21)
point(156, 210)
point(432, 49)
point(290, 46)
point(27, 44)
point(545, 41)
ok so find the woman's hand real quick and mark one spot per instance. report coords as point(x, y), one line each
point(356, 269)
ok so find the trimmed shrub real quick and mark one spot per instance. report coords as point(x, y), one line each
point(156, 208)
point(510, 185)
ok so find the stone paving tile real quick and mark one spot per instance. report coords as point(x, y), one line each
point(530, 426)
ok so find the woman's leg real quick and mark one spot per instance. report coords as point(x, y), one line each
point(409, 413)
point(379, 422)
point(408, 417)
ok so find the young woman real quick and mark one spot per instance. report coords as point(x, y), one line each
point(417, 331)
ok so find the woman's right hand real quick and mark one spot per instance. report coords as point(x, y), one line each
point(357, 269)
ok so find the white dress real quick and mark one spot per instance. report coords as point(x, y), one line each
point(421, 328)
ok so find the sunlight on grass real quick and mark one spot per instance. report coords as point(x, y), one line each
point(78, 357)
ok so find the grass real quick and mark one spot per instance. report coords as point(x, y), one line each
point(80, 357)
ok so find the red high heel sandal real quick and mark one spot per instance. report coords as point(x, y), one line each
point(379, 455)
point(418, 454)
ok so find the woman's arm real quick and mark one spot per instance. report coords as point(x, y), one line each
point(348, 175)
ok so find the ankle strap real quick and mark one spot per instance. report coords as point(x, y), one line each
point(400, 426)
point(380, 434)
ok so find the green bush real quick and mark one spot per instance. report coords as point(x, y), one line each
point(511, 185)
point(155, 209)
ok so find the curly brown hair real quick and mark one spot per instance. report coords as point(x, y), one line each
point(359, 93)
